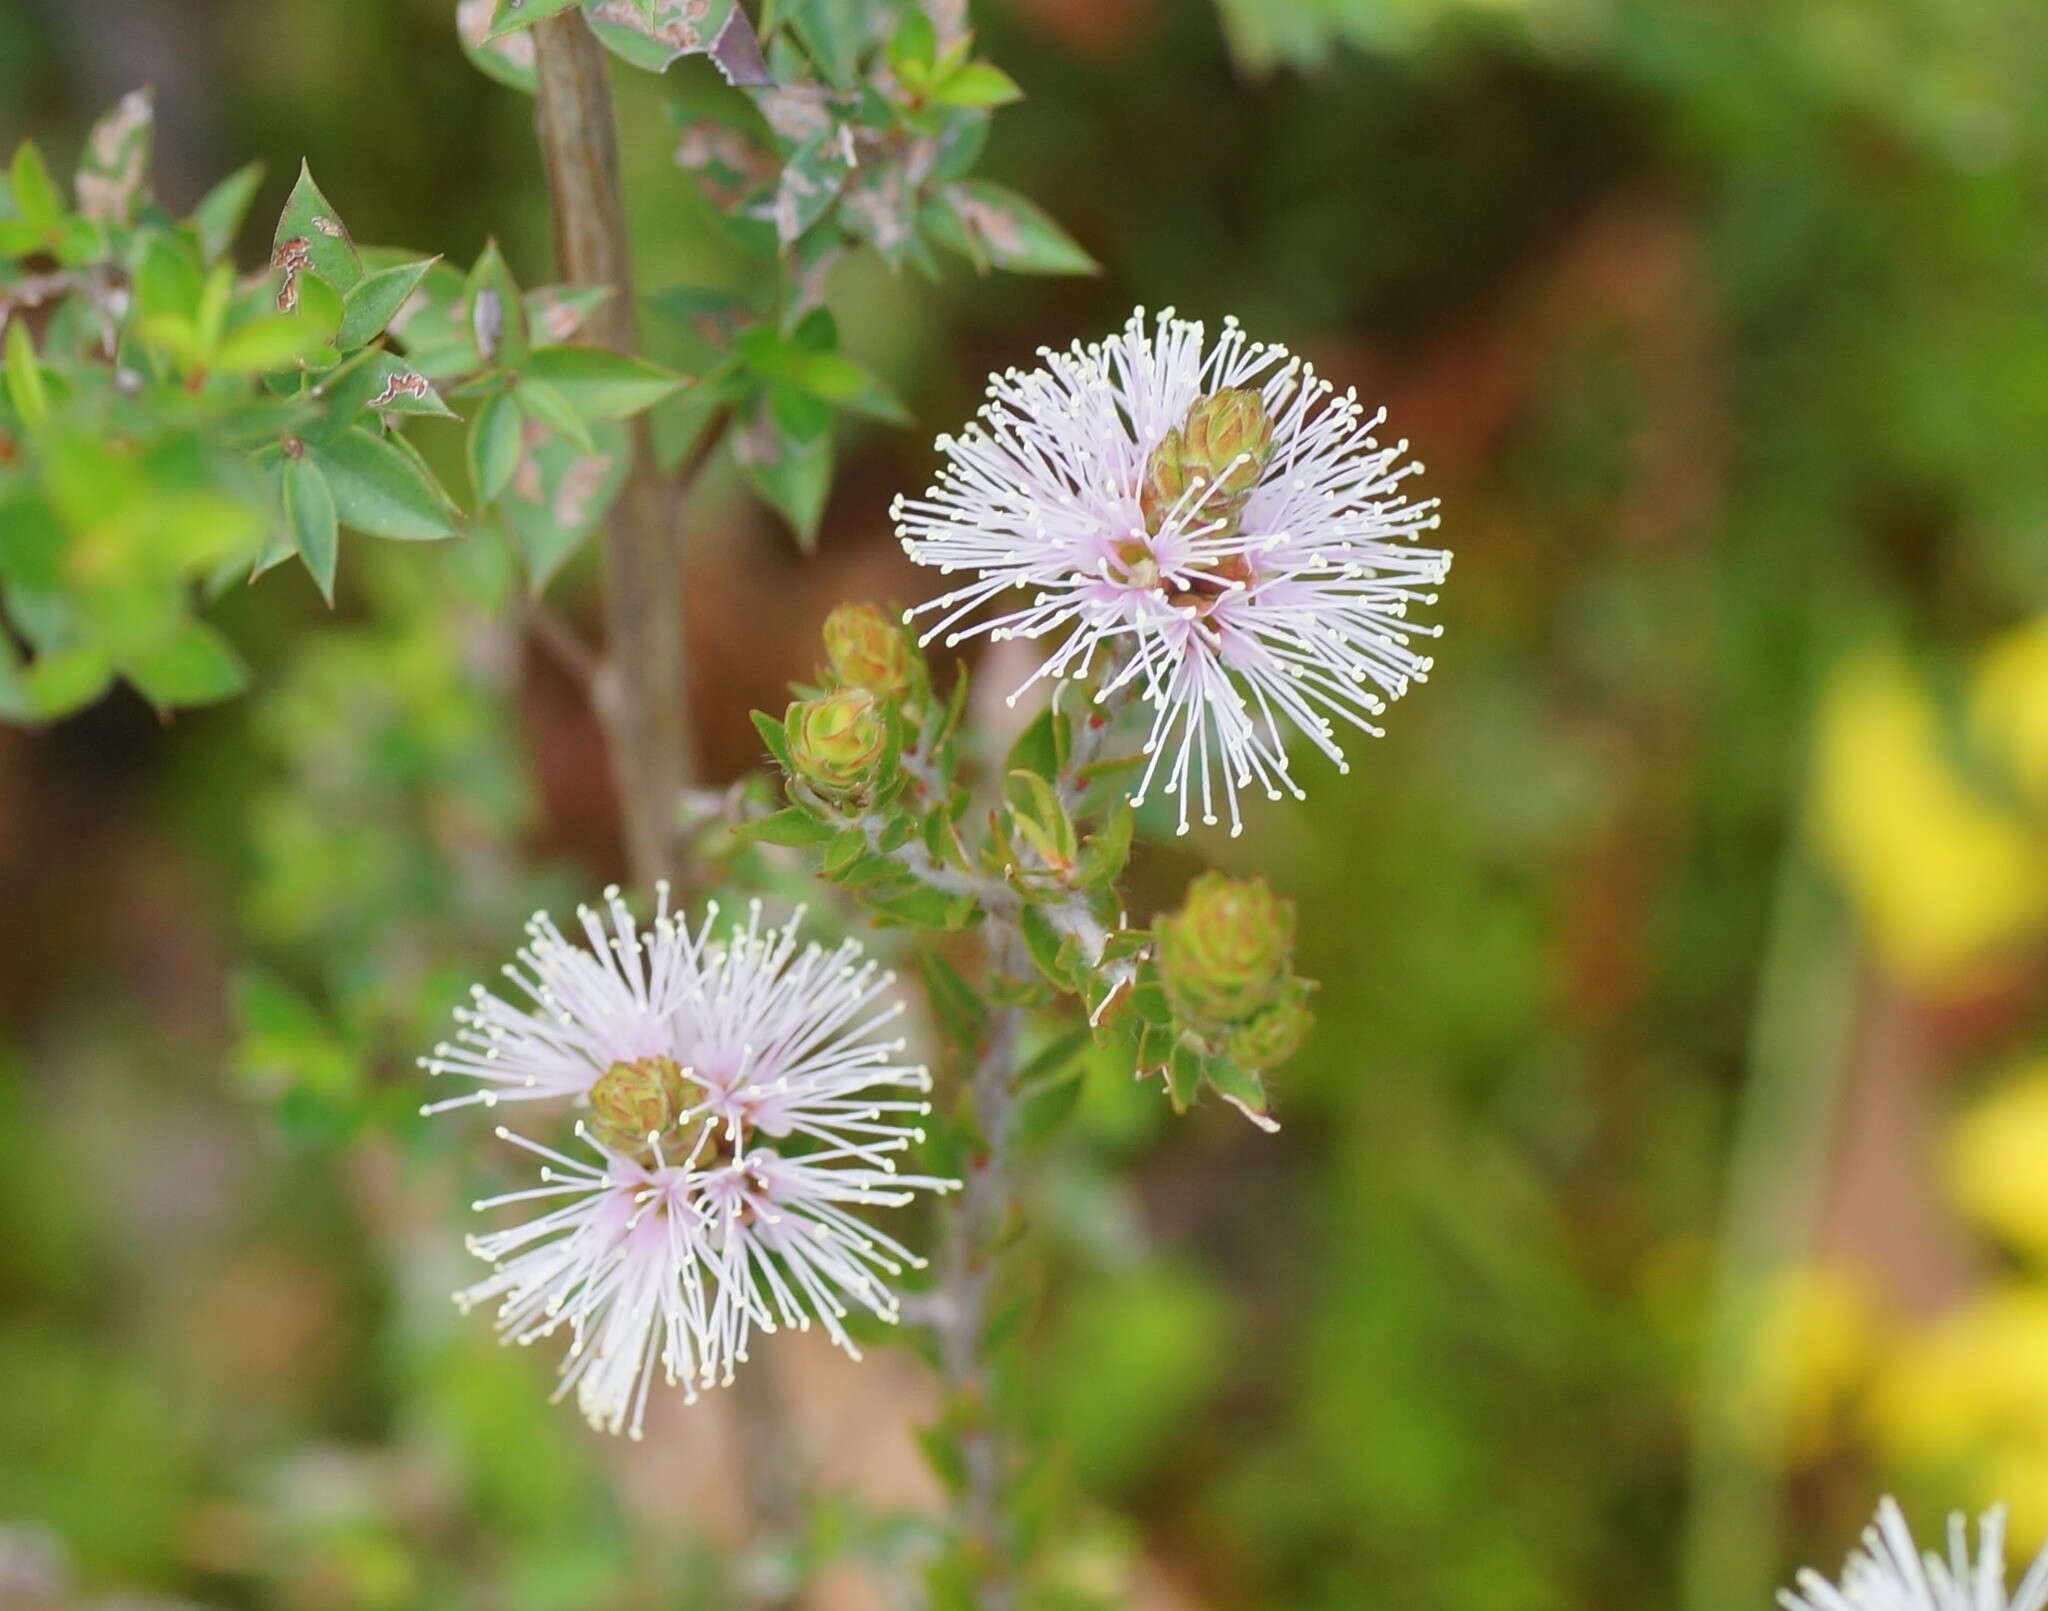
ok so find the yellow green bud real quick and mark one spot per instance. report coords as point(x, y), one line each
point(1218, 453)
point(869, 650)
point(1226, 953)
point(838, 741)
point(1274, 1034)
point(633, 1100)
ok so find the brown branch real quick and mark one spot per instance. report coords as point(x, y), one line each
point(647, 722)
point(565, 646)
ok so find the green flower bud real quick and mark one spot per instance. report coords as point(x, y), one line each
point(838, 741)
point(869, 650)
point(1225, 953)
point(633, 1100)
point(1275, 1034)
point(1222, 446)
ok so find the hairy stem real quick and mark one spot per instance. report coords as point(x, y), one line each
point(965, 1288)
point(964, 1294)
point(641, 693)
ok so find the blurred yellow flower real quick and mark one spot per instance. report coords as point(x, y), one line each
point(2009, 706)
point(1810, 1354)
point(1971, 1394)
point(1945, 877)
point(1995, 1161)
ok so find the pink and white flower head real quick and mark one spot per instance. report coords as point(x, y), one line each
point(1889, 1573)
point(774, 1100)
point(1283, 608)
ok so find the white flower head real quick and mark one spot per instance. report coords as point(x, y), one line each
point(1889, 1573)
point(781, 1102)
point(1263, 592)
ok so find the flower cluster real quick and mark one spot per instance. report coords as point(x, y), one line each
point(1209, 520)
point(741, 1095)
point(1890, 1574)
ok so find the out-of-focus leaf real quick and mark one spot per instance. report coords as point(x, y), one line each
point(655, 34)
point(25, 388)
point(793, 477)
point(114, 167)
point(195, 665)
point(600, 384)
point(1010, 231)
point(512, 15)
point(218, 217)
point(61, 681)
point(508, 58)
point(558, 494)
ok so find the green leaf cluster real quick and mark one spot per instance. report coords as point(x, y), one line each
point(170, 426)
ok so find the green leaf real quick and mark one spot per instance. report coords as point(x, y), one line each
point(1013, 232)
point(218, 218)
point(375, 301)
point(655, 34)
point(1048, 950)
point(795, 483)
point(379, 490)
point(384, 383)
point(914, 45)
point(558, 494)
point(600, 384)
point(1105, 853)
point(775, 737)
point(977, 84)
point(170, 278)
point(791, 826)
point(512, 15)
point(958, 1006)
point(311, 517)
point(35, 192)
point(25, 387)
point(1040, 748)
point(64, 680)
point(195, 665)
point(549, 407)
point(311, 231)
point(832, 33)
point(496, 311)
point(269, 342)
point(493, 446)
point(508, 60)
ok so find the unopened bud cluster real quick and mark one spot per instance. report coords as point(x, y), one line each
point(870, 649)
point(631, 1101)
point(1226, 960)
point(1207, 466)
point(839, 742)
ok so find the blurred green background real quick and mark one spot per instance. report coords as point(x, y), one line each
point(1669, 1173)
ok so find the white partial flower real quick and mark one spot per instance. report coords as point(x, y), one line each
point(787, 1252)
point(620, 1264)
point(1267, 594)
point(779, 1102)
point(609, 1001)
point(1889, 1573)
